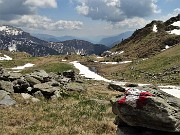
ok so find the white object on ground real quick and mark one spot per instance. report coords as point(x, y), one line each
point(63, 60)
point(123, 62)
point(99, 57)
point(155, 28)
point(84, 71)
point(5, 58)
point(172, 90)
point(23, 67)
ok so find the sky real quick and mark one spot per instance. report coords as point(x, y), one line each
point(90, 19)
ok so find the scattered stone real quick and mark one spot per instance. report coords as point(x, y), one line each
point(35, 100)
point(131, 85)
point(69, 74)
point(40, 75)
point(26, 95)
point(7, 101)
point(31, 80)
point(117, 87)
point(7, 86)
point(14, 76)
point(73, 86)
point(3, 94)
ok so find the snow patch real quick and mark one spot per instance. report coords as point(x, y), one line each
point(172, 90)
point(99, 57)
point(84, 71)
point(175, 31)
point(12, 48)
point(176, 23)
point(5, 58)
point(63, 60)
point(123, 62)
point(166, 47)
point(23, 67)
point(155, 28)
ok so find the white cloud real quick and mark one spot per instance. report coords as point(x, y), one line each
point(116, 10)
point(44, 23)
point(83, 9)
point(128, 24)
point(41, 3)
point(175, 12)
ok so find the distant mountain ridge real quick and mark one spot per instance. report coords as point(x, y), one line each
point(51, 38)
point(15, 39)
point(77, 47)
point(111, 41)
point(150, 40)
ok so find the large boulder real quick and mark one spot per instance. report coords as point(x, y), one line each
point(148, 107)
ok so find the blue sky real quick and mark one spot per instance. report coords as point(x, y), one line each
point(85, 18)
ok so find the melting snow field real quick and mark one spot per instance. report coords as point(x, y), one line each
point(84, 71)
point(23, 67)
point(5, 57)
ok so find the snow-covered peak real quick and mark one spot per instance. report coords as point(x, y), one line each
point(10, 30)
point(155, 28)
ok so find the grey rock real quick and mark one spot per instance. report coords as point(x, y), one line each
point(14, 76)
point(45, 87)
point(38, 94)
point(64, 80)
point(7, 86)
point(131, 85)
point(7, 101)
point(54, 83)
point(26, 95)
point(31, 80)
point(159, 112)
point(34, 100)
point(40, 75)
point(117, 87)
point(3, 94)
point(69, 74)
point(4, 73)
point(73, 86)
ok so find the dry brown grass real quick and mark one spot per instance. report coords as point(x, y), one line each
point(75, 114)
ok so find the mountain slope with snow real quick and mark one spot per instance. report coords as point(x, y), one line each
point(151, 39)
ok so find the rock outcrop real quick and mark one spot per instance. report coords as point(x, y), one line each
point(147, 107)
point(36, 85)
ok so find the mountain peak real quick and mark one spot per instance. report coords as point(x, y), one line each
point(9, 30)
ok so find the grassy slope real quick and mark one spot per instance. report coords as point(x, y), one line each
point(74, 113)
point(147, 71)
point(77, 113)
point(145, 43)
